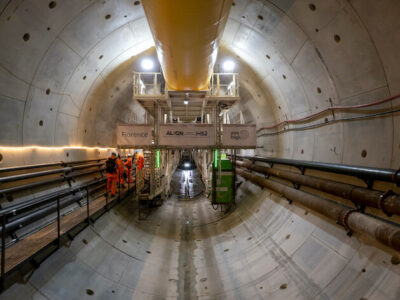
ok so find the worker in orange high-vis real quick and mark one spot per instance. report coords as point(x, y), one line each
point(111, 170)
point(120, 170)
point(139, 165)
point(128, 165)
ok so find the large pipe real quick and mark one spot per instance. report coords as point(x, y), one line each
point(48, 181)
point(49, 208)
point(389, 175)
point(45, 173)
point(390, 204)
point(187, 35)
point(39, 166)
point(385, 233)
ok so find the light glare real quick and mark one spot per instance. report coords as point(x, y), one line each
point(228, 66)
point(147, 64)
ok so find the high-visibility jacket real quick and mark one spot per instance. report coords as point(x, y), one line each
point(128, 163)
point(120, 164)
point(139, 161)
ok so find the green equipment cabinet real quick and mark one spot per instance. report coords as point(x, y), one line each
point(222, 180)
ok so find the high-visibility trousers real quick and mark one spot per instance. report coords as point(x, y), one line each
point(121, 175)
point(112, 183)
point(129, 171)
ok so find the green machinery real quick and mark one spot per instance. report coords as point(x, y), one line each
point(223, 180)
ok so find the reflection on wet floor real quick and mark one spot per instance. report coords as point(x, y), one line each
point(187, 184)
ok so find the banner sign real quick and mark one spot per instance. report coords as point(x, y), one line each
point(134, 135)
point(186, 135)
point(239, 135)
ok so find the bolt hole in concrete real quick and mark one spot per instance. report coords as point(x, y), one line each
point(26, 37)
point(149, 252)
point(302, 151)
point(85, 241)
point(124, 241)
point(284, 76)
point(84, 77)
point(363, 270)
point(226, 250)
point(269, 57)
point(364, 153)
point(260, 17)
point(136, 3)
point(283, 286)
point(52, 4)
point(48, 28)
point(319, 90)
point(101, 56)
point(41, 123)
point(288, 236)
point(89, 292)
point(233, 3)
point(337, 38)
point(316, 30)
point(107, 17)
point(48, 92)
point(312, 6)
point(67, 154)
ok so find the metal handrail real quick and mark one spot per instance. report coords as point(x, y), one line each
point(45, 173)
point(388, 175)
point(39, 166)
point(44, 182)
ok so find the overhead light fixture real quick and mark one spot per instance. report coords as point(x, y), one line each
point(147, 64)
point(228, 66)
point(186, 101)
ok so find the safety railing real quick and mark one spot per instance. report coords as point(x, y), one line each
point(366, 173)
point(224, 85)
point(351, 218)
point(149, 84)
point(22, 214)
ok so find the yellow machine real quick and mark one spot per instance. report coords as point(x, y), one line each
point(187, 62)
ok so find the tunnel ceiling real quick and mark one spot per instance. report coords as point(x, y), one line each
point(65, 65)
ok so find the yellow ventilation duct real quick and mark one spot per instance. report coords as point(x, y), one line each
point(187, 34)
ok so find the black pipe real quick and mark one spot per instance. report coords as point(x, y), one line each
point(388, 175)
point(37, 215)
point(44, 211)
point(33, 203)
point(44, 182)
point(45, 173)
point(38, 166)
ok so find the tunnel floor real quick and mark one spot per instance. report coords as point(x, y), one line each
point(185, 249)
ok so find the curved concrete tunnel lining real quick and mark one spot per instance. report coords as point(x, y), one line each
point(282, 236)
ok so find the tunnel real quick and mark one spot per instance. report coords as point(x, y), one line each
point(319, 80)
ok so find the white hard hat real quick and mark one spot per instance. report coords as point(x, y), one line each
point(129, 155)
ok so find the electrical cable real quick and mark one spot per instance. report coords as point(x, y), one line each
point(331, 121)
point(333, 108)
